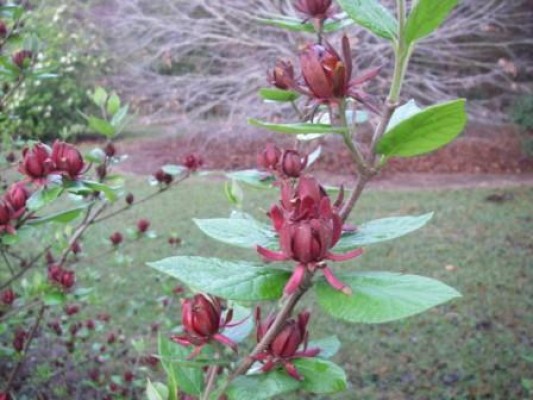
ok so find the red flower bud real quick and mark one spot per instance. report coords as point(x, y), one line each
point(67, 159)
point(269, 157)
point(49, 257)
point(143, 225)
point(110, 150)
point(292, 164)
point(111, 338)
point(19, 340)
point(3, 34)
point(8, 297)
point(17, 195)
point(22, 58)
point(201, 315)
point(71, 309)
point(307, 241)
point(101, 171)
point(75, 247)
point(162, 177)
point(36, 163)
point(282, 76)
point(62, 277)
point(128, 376)
point(130, 199)
point(6, 215)
point(116, 238)
point(192, 162)
point(5, 396)
point(10, 157)
point(90, 324)
point(319, 9)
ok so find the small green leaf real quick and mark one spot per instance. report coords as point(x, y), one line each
point(320, 376)
point(381, 230)
point(54, 298)
point(119, 118)
point(382, 296)
point(241, 281)
point(371, 15)
point(297, 128)
point(156, 391)
point(329, 346)
point(297, 25)
point(113, 104)
point(43, 197)
point(241, 232)
point(262, 386)
point(253, 177)
point(8, 239)
point(234, 193)
point(426, 131)
point(101, 126)
point(188, 379)
point(426, 16)
point(108, 191)
point(99, 96)
point(62, 217)
point(280, 95)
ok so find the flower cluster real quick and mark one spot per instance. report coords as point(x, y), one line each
point(326, 75)
point(308, 226)
point(61, 277)
point(202, 321)
point(290, 343)
point(13, 206)
point(40, 162)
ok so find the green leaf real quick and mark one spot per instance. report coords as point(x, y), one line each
point(402, 113)
point(241, 281)
point(275, 94)
point(297, 128)
point(320, 376)
point(329, 346)
point(381, 230)
point(99, 96)
point(296, 24)
point(371, 15)
point(188, 379)
point(119, 118)
point(425, 131)
point(113, 104)
point(43, 197)
point(108, 191)
point(426, 16)
point(262, 386)
point(156, 391)
point(382, 296)
point(101, 126)
point(252, 177)
point(240, 232)
point(54, 298)
point(62, 217)
point(234, 193)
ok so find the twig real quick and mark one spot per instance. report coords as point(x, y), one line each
point(23, 271)
point(212, 373)
point(6, 260)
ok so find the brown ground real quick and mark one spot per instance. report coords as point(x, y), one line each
point(482, 156)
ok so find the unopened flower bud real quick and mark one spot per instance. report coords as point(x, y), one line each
point(19, 340)
point(130, 199)
point(110, 150)
point(201, 315)
point(17, 195)
point(10, 157)
point(3, 29)
point(116, 238)
point(143, 225)
point(22, 58)
point(319, 9)
point(282, 76)
point(292, 164)
point(6, 214)
point(162, 177)
point(76, 247)
point(192, 162)
point(8, 297)
point(101, 171)
point(71, 309)
point(36, 163)
point(269, 157)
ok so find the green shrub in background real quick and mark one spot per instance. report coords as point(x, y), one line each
point(522, 115)
point(46, 109)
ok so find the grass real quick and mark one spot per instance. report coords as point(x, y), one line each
point(471, 348)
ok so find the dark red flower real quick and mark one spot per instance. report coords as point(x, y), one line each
point(116, 238)
point(37, 163)
point(17, 195)
point(192, 162)
point(285, 347)
point(3, 34)
point(328, 76)
point(71, 309)
point(8, 297)
point(90, 324)
point(162, 177)
point(292, 163)
point(269, 157)
point(202, 321)
point(19, 340)
point(143, 225)
point(6, 216)
point(316, 9)
point(282, 76)
point(22, 58)
point(76, 247)
point(67, 159)
point(62, 277)
point(110, 150)
point(128, 376)
point(309, 226)
point(10, 157)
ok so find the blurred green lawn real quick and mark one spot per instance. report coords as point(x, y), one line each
point(474, 347)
